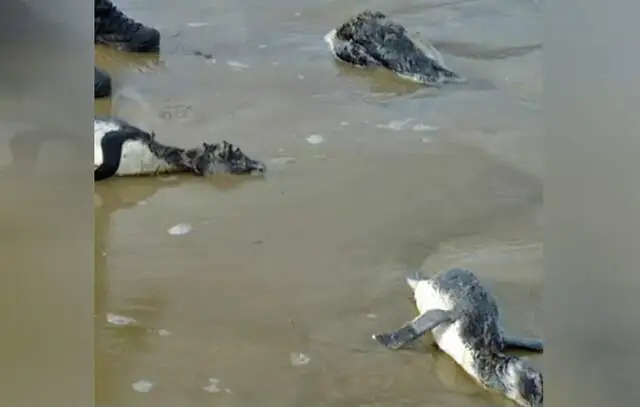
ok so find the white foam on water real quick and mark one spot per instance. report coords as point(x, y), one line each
point(214, 386)
point(315, 139)
point(395, 125)
point(237, 65)
point(425, 127)
point(330, 37)
point(120, 320)
point(142, 386)
point(372, 316)
point(299, 359)
point(164, 332)
point(198, 24)
point(180, 229)
point(331, 40)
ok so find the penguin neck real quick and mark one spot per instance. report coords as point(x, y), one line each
point(497, 371)
point(175, 157)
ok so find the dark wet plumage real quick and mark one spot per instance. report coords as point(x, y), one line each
point(215, 158)
point(371, 39)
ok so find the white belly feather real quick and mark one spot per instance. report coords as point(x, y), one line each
point(447, 335)
point(136, 158)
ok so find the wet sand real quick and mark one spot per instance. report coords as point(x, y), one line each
point(310, 260)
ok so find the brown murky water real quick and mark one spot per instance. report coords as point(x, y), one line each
point(311, 259)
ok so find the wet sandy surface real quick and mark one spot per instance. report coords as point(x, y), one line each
point(271, 296)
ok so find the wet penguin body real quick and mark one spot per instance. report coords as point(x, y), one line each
point(372, 40)
point(122, 149)
point(463, 318)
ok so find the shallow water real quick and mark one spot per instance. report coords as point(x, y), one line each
point(268, 292)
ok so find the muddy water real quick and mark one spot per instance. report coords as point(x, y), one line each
point(271, 298)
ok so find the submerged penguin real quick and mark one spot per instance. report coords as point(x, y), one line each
point(463, 317)
point(371, 40)
point(121, 149)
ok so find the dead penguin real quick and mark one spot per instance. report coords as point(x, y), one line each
point(372, 40)
point(463, 317)
point(121, 149)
